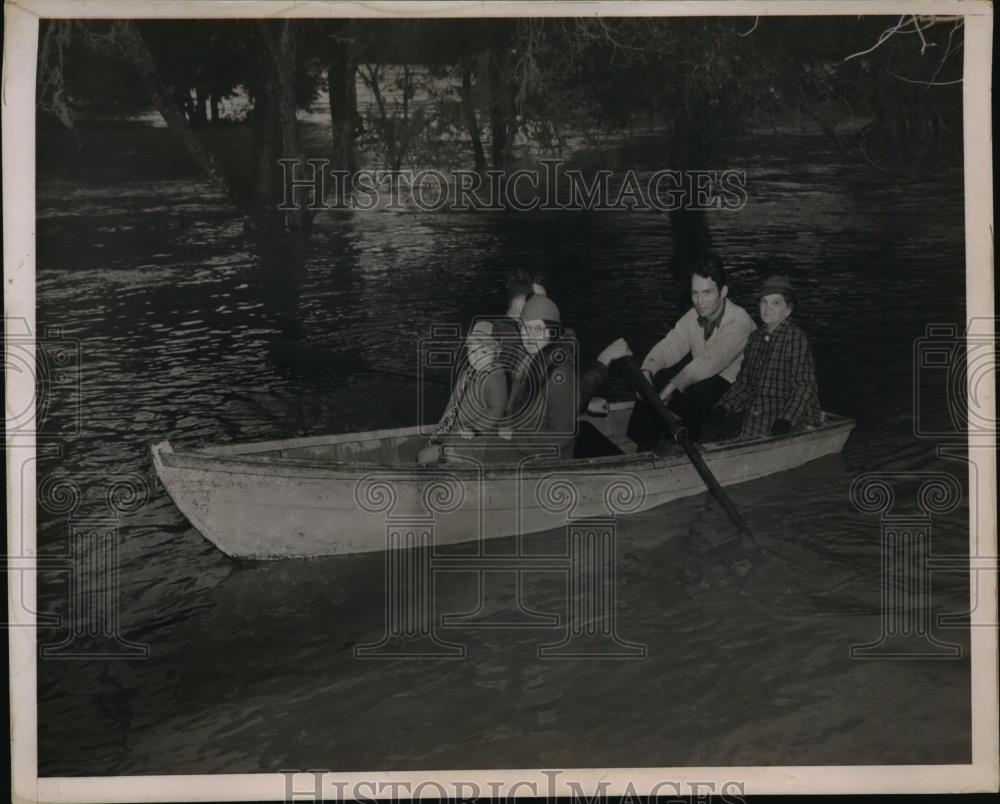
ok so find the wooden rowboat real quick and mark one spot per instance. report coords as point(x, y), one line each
point(351, 493)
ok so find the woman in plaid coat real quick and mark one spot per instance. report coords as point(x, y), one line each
point(776, 389)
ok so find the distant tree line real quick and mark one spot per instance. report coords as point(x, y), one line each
point(485, 85)
point(541, 79)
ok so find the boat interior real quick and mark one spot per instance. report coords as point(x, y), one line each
point(605, 441)
point(400, 447)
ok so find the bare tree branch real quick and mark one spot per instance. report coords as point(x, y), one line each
point(756, 22)
point(914, 24)
point(926, 83)
point(883, 37)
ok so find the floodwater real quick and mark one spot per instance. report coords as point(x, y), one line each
point(251, 666)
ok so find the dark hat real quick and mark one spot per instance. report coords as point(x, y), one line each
point(777, 284)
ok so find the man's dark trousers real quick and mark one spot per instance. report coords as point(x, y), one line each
point(693, 405)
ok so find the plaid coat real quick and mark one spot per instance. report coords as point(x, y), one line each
point(776, 381)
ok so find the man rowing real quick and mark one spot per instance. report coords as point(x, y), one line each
point(713, 333)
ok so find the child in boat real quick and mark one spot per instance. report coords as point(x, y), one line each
point(478, 401)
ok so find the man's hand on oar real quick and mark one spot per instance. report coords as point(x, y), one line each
point(649, 378)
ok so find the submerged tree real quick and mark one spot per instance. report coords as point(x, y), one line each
point(264, 58)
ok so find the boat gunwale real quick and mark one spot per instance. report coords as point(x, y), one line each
point(250, 447)
point(206, 459)
point(246, 448)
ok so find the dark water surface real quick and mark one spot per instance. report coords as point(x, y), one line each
point(251, 666)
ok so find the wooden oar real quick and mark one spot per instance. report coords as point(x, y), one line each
point(679, 432)
point(304, 355)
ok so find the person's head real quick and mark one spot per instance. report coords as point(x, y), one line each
point(481, 347)
point(708, 286)
point(777, 300)
point(522, 283)
point(540, 323)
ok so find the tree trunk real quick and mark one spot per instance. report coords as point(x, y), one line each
point(499, 124)
point(469, 114)
point(409, 124)
point(200, 116)
point(214, 103)
point(387, 125)
point(497, 68)
point(280, 258)
point(285, 249)
point(283, 49)
point(497, 107)
point(340, 78)
point(267, 149)
point(277, 252)
point(182, 99)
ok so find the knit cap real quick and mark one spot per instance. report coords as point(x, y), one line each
point(540, 308)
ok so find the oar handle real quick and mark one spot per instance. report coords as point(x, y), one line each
point(675, 425)
point(679, 432)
